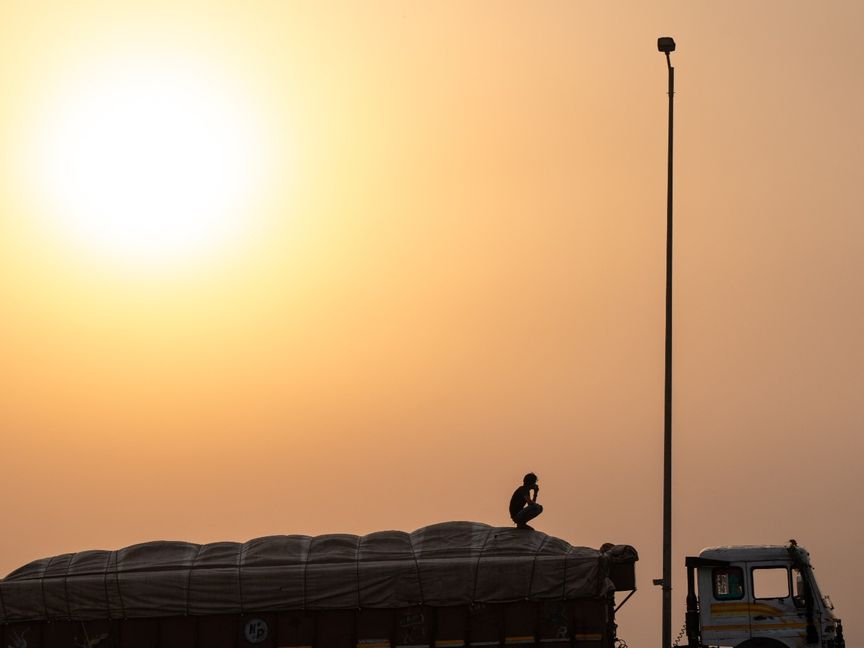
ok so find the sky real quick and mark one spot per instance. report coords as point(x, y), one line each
point(312, 267)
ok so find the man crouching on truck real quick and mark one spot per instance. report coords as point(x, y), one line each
point(523, 506)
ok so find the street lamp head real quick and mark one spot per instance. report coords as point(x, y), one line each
point(666, 44)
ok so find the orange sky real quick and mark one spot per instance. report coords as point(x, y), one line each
point(451, 272)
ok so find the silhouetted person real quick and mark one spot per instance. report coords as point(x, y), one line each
point(524, 507)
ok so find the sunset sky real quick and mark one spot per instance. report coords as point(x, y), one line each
point(307, 267)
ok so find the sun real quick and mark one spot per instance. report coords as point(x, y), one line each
point(149, 161)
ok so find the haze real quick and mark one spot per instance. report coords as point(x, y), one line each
point(453, 274)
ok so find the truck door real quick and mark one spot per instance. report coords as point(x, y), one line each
point(725, 605)
point(774, 612)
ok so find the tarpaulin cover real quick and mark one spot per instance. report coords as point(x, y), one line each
point(452, 563)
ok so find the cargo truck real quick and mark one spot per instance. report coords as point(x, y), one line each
point(451, 585)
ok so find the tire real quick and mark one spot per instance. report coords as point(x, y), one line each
point(762, 642)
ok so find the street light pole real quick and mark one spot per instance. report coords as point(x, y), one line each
point(667, 46)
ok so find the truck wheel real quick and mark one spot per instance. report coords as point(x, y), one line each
point(761, 642)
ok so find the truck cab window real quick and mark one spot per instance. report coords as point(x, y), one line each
point(728, 583)
point(770, 582)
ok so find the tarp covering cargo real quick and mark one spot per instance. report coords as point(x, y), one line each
point(454, 563)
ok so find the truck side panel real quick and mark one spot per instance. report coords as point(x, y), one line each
point(583, 623)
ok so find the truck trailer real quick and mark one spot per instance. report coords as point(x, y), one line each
point(443, 586)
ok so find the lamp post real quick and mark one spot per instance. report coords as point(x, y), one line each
point(666, 45)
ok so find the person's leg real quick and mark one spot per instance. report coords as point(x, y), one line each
point(528, 513)
point(532, 511)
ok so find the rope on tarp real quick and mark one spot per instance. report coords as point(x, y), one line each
point(106, 571)
point(241, 554)
point(564, 579)
point(116, 573)
point(189, 578)
point(2, 602)
point(306, 569)
point(119, 589)
point(416, 567)
point(357, 567)
point(534, 565)
point(66, 585)
point(105, 584)
point(44, 595)
point(477, 564)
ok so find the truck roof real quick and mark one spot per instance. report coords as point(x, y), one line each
point(744, 553)
point(452, 563)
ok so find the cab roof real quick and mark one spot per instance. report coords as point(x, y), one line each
point(745, 553)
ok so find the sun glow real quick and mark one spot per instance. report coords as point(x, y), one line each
point(149, 162)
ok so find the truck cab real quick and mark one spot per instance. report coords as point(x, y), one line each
point(758, 597)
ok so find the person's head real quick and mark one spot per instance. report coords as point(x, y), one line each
point(530, 479)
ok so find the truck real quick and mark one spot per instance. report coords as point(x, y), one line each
point(450, 585)
point(758, 597)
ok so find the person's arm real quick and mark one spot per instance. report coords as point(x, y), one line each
point(536, 490)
